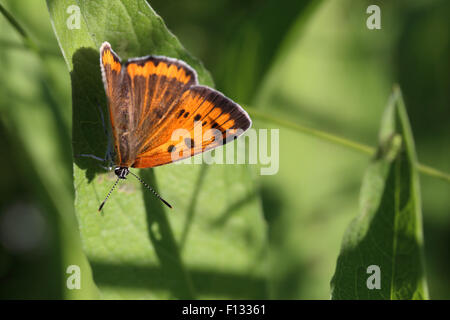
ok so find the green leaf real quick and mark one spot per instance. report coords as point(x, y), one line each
point(210, 244)
point(388, 231)
point(306, 85)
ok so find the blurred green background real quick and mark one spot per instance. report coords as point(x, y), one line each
point(313, 62)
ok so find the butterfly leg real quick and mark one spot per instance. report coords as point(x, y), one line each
point(109, 153)
point(90, 156)
point(109, 167)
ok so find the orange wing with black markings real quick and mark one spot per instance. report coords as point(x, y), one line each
point(202, 119)
point(152, 97)
point(156, 83)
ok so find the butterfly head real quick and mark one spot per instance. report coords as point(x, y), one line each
point(121, 172)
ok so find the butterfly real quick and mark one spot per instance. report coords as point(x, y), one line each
point(148, 99)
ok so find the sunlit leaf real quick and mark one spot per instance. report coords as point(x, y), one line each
point(387, 233)
point(210, 244)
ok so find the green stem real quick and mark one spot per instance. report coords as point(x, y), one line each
point(338, 140)
point(16, 25)
point(432, 172)
point(312, 132)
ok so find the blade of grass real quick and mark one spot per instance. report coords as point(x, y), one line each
point(16, 25)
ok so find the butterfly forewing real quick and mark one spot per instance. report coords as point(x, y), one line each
point(209, 119)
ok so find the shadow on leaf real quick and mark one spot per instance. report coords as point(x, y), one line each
point(174, 273)
point(89, 133)
point(192, 205)
point(208, 282)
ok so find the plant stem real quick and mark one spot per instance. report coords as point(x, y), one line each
point(16, 25)
point(313, 132)
point(338, 140)
point(432, 172)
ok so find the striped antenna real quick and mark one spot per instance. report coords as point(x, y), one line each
point(103, 203)
point(151, 189)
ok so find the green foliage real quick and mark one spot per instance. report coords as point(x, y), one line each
point(308, 67)
point(320, 79)
point(35, 118)
point(388, 230)
point(209, 245)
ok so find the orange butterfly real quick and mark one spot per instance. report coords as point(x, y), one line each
point(151, 97)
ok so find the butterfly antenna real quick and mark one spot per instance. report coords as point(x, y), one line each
point(109, 193)
point(151, 189)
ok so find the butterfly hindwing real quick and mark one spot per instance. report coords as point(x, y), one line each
point(204, 118)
